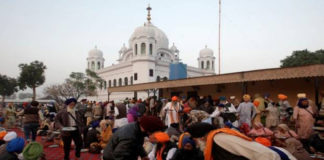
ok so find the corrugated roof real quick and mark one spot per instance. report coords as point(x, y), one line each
point(255, 75)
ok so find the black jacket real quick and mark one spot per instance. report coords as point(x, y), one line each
point(182, 154)
point(125, 144)
point(8, 156)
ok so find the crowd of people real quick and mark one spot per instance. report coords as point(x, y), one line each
point(179, 128)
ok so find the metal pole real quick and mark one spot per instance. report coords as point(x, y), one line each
point(219, 38)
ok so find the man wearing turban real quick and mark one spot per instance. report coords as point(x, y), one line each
point(246, 110)
point(13, 148)
point(164, 148)
point(171, 111)
point(127, 142)
point(283, 106)
point(70, 118)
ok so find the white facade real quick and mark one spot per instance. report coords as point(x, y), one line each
point(146, 59)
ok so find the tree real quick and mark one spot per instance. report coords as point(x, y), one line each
point(60, 92)
point(77, 85)
point(31, 76)
point(85, 84)
point(13, 96)
point(8, 86)
point(303, 57)
point(25, 95)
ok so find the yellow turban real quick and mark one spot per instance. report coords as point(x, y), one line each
point(301, 95)
point(246, 96)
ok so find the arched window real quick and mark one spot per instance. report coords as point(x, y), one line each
point(115, 82)
point(143, 48)
point(105, 85)
point(213, 67)
point(158, 78)
point(208, 65)
point(120, 82)
point(165, 78)
point(126, 81)
point(135, 49)
point(92, 65)
point(98, 65)
point(88, 65)
point(202, 65)
point(109, 83)
point(131, 80)
point(151, 49)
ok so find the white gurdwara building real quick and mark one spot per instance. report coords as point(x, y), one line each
point(146, 59)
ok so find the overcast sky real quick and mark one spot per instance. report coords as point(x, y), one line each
point(256, 34)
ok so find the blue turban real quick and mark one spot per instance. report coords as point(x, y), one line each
point(95, 124)
point(221, 105)
point(70, 100)
point(300, 105)
point(188, 140)
point(16, 145)
point(222, 98)
point(228, 124)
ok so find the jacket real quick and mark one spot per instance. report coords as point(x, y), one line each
point(62, 120)
point(125, 144)
point(182, 154)
point(121, 110)
point(31, 115)
point(8, 156)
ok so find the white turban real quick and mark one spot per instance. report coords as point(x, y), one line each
point(10, 136)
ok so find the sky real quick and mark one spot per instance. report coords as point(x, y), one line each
point(255, 34)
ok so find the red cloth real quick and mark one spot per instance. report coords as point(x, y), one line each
point(151, 124)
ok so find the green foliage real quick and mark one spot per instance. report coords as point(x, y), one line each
point(32, 76)
point(303, 57)
point(85, 84)
point(77, 85)
point(8, 86)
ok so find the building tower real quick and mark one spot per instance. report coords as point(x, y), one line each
point(206, 59)
point(95, 59)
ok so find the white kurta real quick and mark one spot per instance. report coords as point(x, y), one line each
point(172, 113)
point(246, 111)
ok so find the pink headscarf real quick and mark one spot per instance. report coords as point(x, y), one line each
point(259, 130)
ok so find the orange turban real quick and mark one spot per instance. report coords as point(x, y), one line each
point(256, 103)
point(2, 134)
point(282, 96)
point(264, 141)
point(174, 98)
point(161, 137)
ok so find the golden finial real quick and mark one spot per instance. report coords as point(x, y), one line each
point(149, 13)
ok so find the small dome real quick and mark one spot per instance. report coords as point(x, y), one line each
point(174, 48)
point(95, 52)
point(206, 52)
point(150, 31)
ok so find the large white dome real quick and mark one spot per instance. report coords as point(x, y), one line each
point(95, 52)
point(150, 31)
point(206, 52)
